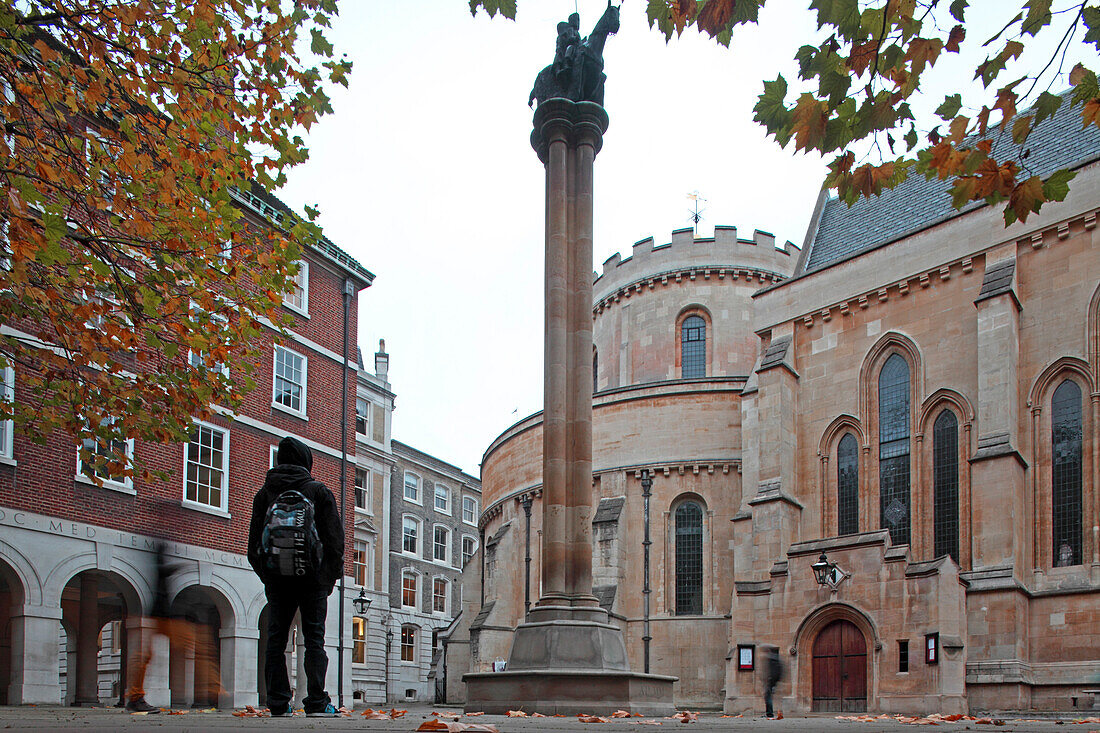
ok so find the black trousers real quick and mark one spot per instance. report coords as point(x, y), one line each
point(282, 603)
point(769, 687)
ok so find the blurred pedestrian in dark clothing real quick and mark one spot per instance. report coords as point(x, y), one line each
point(181, 633)
point(773, 672)
point(304, 592)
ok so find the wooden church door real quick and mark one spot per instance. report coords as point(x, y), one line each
point(840, 669)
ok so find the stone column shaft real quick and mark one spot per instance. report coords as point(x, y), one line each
point(87, 648)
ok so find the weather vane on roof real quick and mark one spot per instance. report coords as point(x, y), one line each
point(696, 214)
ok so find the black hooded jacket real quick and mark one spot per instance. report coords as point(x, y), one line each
point(294, 461)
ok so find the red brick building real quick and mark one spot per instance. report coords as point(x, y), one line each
point(75, 557)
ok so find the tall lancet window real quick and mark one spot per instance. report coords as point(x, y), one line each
point(1066, 464)
point(945, 476)
point(893, 446)
point(689, 559)
point(847, 485)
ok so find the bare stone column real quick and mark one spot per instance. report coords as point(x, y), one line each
point(87, 646)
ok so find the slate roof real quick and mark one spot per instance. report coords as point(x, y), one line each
point(918, 203)
point(483, 615)
point(609, 510)
point(998, 279)
point(606, 594)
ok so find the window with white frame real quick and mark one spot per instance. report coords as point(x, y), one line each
point(441, 544)
point(206, 466)
point(469, 510)
point(297, 295)
point(469, 547)
point(290, 380)
point(408, 589)
point(439, 595)
point(7, 427)
point(362, 416)
point(412, 487)
point(363, 489)
point(358, 640)
point(360, 560)
point(410, 535)
point(198, 359)
point(442, 499)
point(274, 461)
point(408, 643)
point(100, 455)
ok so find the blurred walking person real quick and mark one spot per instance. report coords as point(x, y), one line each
point(773, 672)
point(296, 546)
point(182, 635)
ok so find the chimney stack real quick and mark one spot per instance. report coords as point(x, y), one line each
point(382, 361)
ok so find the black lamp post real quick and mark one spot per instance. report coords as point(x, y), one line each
point(361, 603)
point(526, 500)
point(823, 569)
point(647, 485)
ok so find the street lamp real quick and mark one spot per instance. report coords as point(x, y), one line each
point(361, 603)
point(647, 486)
point(823, 569)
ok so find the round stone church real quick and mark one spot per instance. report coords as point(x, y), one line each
point(876, 452)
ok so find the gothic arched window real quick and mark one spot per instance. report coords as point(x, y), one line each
point(689, 559)
point(847, 485)
point(693, 348)
point(893, 446)
point(1066, 464)
point(595, 370)
point(945, 475)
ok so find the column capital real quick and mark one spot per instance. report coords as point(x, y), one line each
point(576, 123)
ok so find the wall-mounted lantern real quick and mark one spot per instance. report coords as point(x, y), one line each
point(824, 570)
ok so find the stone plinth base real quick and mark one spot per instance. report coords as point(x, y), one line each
point(569, 692)
point(568, 637)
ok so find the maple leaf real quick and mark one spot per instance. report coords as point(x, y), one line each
point(808, 122)
point(1026, 198)
point(955, 39)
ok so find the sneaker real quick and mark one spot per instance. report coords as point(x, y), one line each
point(330, 711)
point(139, 705)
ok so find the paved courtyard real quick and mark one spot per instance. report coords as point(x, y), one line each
point(112, 719)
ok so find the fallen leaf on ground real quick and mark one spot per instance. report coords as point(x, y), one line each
point(184, 712)
point(249, 712)
point(395, 713)
point(471, 714)
point(448, 716)
point(537, 715)
point(731, 716)
point(142, 713)
point(593, 719)
point(685, 716)
point(516, 714)
point(620, 714)
point(456, 727)
point(649, 722)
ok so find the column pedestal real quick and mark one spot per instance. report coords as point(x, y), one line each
point(568, 658)
point(35, 677)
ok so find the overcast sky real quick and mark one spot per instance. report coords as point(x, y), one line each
point(425, 174)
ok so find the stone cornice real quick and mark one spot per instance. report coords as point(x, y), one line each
point(721, 273)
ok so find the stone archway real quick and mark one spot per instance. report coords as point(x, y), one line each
point(11, 597)
point(196, 658)
point(92, 601)
point(839, 669)
point(807, 635)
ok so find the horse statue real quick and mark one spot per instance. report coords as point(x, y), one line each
point(577, 71)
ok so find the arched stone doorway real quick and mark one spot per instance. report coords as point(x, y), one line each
point(92, 666)
point(11, 596)
point(840, 669)
point(196, 660)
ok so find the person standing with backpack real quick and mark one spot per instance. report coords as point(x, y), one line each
point(296, 546)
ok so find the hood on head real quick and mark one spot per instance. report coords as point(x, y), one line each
point(293, 452)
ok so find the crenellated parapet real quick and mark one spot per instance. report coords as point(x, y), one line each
point(720, 257)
